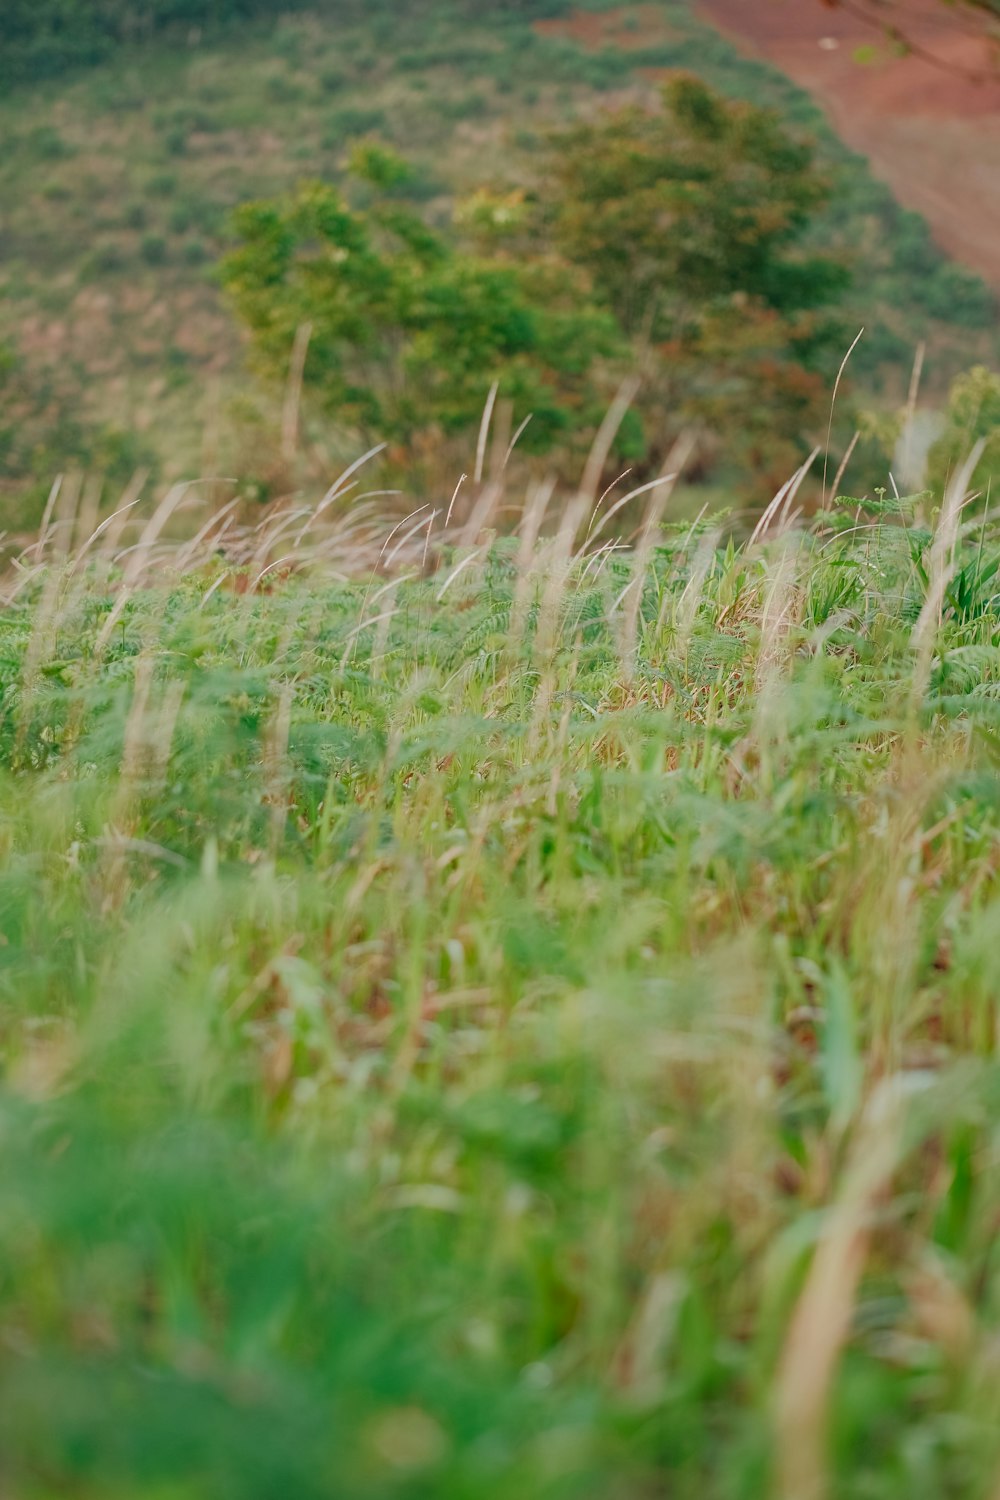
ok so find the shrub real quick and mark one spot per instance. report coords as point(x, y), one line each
point(958, 296)
point(154, 249)
point(175, 140)
point(105, 260)
point(162, 184)
point(194, 252)
point(46, 144)
point(914, 252)
point(973, 414)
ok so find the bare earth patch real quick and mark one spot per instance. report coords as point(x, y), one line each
point(931, 129)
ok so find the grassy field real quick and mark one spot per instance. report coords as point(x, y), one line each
point(117, 184)
point(496, 1018)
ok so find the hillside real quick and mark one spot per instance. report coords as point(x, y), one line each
point(499, 959)
point(117, 182)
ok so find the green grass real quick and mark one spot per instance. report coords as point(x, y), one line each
point(118, 182)
point(487, 1031)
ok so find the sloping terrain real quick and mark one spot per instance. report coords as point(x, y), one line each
point(498, 1051)
point(116, 186)
point(928, 122)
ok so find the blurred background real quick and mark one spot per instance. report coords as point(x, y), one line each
point(150, 322)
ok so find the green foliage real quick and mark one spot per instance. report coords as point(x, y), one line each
point(341, 125)
point(154, 249)
point(703, 200)
point(960, 297)
point(41, 432)
point(946, 290)
point(973, 414)
point(187, 105)
point(43, 38)
point(682, 225)
point(690, 221)
point(437, 1054)
point(407, 331)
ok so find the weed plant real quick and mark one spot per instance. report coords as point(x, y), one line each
point(490, 1018)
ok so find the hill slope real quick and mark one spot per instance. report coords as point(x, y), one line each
point(117, 184)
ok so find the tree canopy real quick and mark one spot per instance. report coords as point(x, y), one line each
point(407, 329)
point(666, 241)
point(691, 222)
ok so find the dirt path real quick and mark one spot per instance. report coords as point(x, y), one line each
point(929, 129)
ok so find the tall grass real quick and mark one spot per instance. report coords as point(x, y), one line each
point(490, 1017)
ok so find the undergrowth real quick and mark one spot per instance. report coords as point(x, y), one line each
point(508, 1018)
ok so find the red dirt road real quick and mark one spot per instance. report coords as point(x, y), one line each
point(929, 125)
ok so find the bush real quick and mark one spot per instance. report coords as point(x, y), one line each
point(105, 260)
point(914, 252)
point(409, 330)
point(154, 250)
point(46, 144)
point(194, 253)
point(973, 414)
point(175, 140)
point(957, 296)
point(162, 184)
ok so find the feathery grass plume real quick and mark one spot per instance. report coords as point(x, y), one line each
point(461, 1036)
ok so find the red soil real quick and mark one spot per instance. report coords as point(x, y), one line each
point(929, 122)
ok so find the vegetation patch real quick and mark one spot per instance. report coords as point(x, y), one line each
point(494, 1026)
point(141, 163)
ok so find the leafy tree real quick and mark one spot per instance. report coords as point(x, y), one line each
point(973, 413)
point(673, 210)
point(407, 330)
point(668, 241)
point(690, 222)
